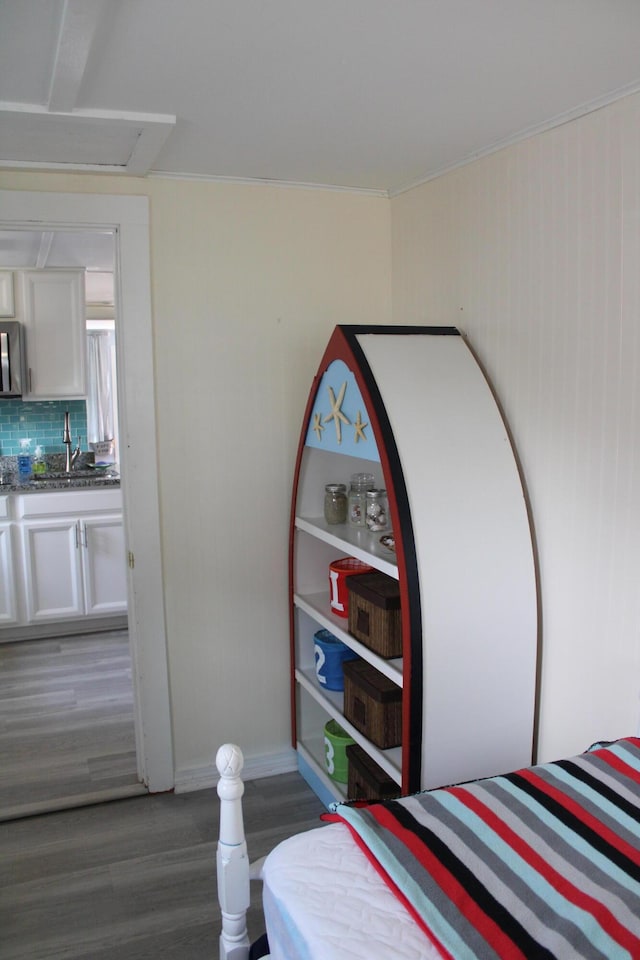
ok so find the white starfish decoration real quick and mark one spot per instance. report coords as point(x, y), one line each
point(317, 426)
point(336, 413)
point(359, 425)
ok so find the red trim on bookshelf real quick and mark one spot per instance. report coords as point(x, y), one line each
point(343, 345)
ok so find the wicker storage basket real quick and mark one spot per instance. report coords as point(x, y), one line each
point(367, 781)
point(374, 613)
point(372, 703)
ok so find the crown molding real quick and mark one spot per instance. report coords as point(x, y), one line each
point(526, 134)
point(256, 181)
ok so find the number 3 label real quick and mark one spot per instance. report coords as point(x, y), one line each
point(330, 755)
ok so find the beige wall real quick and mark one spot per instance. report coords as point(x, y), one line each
point(247, 283)
point(253, 281)
point(534, 253)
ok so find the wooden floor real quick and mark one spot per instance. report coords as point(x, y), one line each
point(66, 723)
point(134, 879)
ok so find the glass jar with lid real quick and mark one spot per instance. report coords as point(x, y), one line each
point(335, 503)
point(360, 483)
point(377, 511)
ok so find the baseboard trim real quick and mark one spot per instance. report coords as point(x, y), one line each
point(188, 779)
point(58, 804)
point(63, 628)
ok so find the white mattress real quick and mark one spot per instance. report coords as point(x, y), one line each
point(323, 900)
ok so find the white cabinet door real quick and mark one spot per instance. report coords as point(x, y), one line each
point(8, 604)
point(73, 556)
point(52, 569)
point(103, 565)
point(55, 330)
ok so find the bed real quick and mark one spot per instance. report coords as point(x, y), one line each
point(542, 862)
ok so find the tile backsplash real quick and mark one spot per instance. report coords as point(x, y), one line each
point(42, 421)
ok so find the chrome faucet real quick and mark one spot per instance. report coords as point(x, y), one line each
point(71, 456)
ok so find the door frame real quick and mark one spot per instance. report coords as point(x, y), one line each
point(128, 218)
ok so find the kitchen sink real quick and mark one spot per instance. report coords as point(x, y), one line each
point(74, 475)
point(74, 478)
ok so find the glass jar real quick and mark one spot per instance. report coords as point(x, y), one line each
point(377, 511)
point(335, 503)
point(360, 483)
point(39, 464)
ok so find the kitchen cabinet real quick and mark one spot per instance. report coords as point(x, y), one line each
point(412, 406)
point(103, 565)
point(72, 555)
point(8, 598)
point(52, 569)
point(53, 315)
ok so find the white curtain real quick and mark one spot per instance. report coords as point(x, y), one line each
point(100, 414)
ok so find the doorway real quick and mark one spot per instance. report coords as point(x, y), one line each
point(67, 733)
point(128, 218)
point(66, 723)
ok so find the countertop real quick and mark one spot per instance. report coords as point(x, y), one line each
point(81, 482)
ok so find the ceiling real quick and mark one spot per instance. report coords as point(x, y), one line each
point(362, 94)
point(93, 250)
point(37, 249)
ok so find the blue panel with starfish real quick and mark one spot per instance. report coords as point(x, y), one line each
point(339, 421)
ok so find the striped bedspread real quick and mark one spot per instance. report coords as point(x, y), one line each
point(540, 863)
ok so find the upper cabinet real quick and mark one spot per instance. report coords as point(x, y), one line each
point(411, 406)
point(55, 333)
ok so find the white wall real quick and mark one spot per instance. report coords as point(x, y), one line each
point(534, 253)
point(247, 283)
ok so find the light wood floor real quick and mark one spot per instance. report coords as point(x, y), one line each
point(134, 879)
point(66, 723)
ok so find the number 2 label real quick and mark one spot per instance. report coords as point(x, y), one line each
point(320, 659)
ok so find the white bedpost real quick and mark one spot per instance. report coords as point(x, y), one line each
point(232, 859)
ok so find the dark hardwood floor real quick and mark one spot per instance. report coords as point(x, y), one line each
point(66, 723)
point(134, 879)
